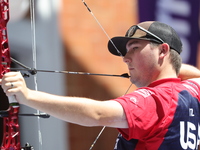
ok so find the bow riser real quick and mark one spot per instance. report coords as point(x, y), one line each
point(5, 51)
point(11, 135)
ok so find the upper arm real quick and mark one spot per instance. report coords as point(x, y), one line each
point(112, 114)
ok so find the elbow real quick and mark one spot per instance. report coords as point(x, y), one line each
point(94, 120)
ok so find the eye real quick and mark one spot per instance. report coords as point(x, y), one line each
point(135, 48)
point(132, 48)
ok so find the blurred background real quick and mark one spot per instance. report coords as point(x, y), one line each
point(68, 38)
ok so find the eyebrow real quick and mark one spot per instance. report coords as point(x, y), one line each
point(132, 42)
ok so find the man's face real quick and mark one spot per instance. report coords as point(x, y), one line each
point(142, 60)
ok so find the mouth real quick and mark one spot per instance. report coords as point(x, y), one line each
point(130, 68)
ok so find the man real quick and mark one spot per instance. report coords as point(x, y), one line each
point(163, 113)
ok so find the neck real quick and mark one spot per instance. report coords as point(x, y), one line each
point(167, 72)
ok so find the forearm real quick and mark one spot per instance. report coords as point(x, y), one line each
point(188, 72)
point(71, 109)
point(78, 110)
point(82, 111)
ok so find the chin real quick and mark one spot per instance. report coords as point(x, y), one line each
point(133, 81)
point(136, 83)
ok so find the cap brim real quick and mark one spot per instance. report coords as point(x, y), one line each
point(117, 45)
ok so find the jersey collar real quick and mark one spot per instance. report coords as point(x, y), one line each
point(165, 80)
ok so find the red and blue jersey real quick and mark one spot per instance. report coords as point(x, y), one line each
point(165, 115)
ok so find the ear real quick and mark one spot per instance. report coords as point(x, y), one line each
point(164, 50)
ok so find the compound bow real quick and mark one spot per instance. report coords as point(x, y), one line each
point(11, 135)
point(11, 131)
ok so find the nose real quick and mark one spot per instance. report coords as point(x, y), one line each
point(126, 59)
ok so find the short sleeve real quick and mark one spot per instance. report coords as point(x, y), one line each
point(141, 114)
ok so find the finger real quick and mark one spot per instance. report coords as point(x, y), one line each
point(7, 86)
point(11, 78)
point(8, 82)
point(10, 88)
point(10, 74)
point(10, 92)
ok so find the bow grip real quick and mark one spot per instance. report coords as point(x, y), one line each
point(12, 101)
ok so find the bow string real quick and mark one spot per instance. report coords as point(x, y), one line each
point(90, 11)
point(34, 52)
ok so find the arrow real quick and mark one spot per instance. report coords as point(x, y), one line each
point(33, 71)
